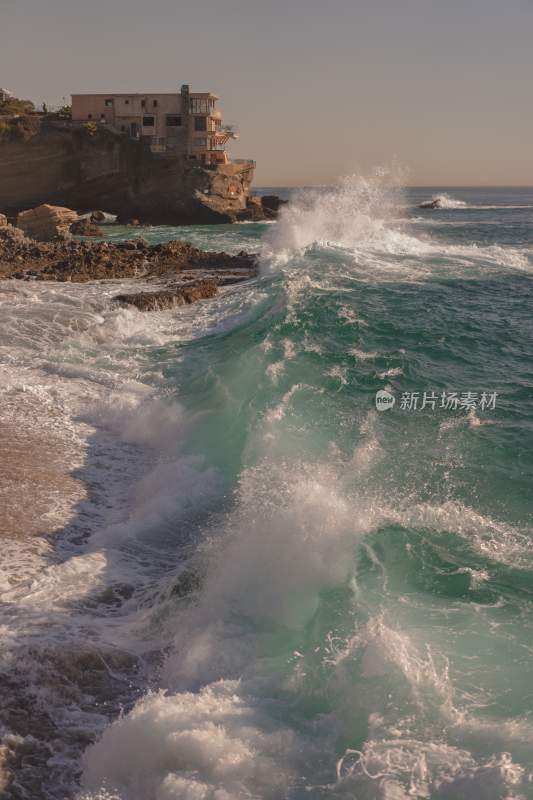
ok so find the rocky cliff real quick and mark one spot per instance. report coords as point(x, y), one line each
point(89, 167)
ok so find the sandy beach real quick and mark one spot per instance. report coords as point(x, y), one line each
point(34, 480)
point(36, 485)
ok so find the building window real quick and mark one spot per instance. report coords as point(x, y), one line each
point(143, 103)
point(200, 123)
point(89, 116)
point(199, 105)
point(127, 102)
point(173, 121)
point(200, 143)
point(102, 117)
point(148, 122)
point(109, 103)
point(155, 103)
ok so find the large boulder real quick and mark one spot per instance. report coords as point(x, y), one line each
point(271, 204)
point(254, 210)
point(3, 221)
point(46, 222)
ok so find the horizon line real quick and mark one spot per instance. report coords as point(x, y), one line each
point(408, 185)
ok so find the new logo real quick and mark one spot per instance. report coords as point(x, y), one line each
point(384, 400)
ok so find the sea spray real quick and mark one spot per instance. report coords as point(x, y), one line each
point(355, 210)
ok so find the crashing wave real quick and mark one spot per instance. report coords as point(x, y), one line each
point(443, 201)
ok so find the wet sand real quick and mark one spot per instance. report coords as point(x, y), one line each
point(38, 497)
point(38, 493)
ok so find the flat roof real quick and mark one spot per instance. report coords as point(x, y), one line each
point(141, 94)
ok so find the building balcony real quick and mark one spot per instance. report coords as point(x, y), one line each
point(225, 134)
point(244, 163)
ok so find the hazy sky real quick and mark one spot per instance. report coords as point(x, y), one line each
point(318, 88)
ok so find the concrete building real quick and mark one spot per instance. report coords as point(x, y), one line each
point(184, 122)
point(5, 95)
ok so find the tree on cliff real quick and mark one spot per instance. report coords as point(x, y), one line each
point(12, 105)
point(23, 123)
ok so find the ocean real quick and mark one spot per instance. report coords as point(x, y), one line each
point(297, 557)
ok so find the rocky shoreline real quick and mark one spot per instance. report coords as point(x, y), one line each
point(181, 273)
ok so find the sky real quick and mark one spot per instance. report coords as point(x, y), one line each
point(317, 88)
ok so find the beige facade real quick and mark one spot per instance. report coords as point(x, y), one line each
point(185, 122)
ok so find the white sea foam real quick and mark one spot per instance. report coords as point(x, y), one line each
point(288, 540)
point(392, 372)
point(74, 365)
point(446, 201)
point(363, 355)
point(269, 573)
point(357, 220)
point(355, 210)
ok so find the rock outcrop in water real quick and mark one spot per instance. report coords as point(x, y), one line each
point(170, 297)
point(66, 260)
point(84, 227)
point(436, 203)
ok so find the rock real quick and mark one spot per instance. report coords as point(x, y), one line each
point(13, 239)
point(431, 203)
point(98, 216)
point(254, 210)
point(169, 298)
point(124, 218)
point(87, 260)
point(46, 222)
point(84, 227)
point(3, 221)
point(272, 203)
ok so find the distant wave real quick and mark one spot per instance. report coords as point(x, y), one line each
point(444, 201)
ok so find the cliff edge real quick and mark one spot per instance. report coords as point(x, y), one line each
point(90, 166)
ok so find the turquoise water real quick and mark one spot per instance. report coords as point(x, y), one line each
point(340, 596)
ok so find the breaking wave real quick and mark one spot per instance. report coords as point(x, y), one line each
point(446, 202)
point(274, 590)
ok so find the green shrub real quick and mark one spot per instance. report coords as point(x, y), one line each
point(12, 105)
point(90, 127)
